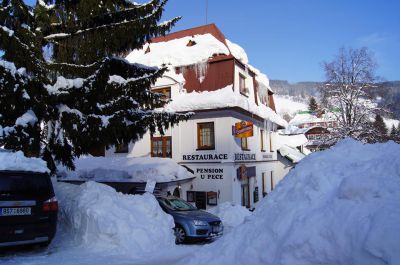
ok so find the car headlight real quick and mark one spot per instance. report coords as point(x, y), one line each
point(200, 223)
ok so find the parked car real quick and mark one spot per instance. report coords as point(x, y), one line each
point(28, 208)
point(191, 223)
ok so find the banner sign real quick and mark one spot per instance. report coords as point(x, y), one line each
point(243, 129)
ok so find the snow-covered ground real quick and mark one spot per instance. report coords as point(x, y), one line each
point(338, 206)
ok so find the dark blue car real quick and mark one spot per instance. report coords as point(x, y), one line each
point(191, 223)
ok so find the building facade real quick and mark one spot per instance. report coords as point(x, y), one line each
point(229, 142)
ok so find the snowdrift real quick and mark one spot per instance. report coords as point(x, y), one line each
point(230, 214)
point(339, 206)
point(98, 217)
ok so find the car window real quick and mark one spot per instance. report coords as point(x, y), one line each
point(25, 185)
point(179, 204)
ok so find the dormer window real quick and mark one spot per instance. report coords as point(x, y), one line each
point(242, 85)
point(191, 43)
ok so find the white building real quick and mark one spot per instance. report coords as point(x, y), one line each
point(210, 76)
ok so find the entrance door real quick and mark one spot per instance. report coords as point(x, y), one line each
point(201, 200)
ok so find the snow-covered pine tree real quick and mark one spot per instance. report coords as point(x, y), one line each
point(64, 88)
point(312, 105)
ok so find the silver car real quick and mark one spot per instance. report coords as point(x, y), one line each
point(191, 223)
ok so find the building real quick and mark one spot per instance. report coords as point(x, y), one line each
point(229, 142)
point(316, 127)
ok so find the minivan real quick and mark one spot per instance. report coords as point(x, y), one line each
point(28, 208)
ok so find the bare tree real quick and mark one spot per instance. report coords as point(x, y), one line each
point(348, 77)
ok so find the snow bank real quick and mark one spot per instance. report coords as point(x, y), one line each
point(127, 169)
point(98, 217)
point(17, 161)
point(338, 206)
point(231, 215)
point(221, 98)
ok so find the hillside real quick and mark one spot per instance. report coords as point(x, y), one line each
point(387, 94)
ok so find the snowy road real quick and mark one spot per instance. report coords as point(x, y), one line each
point(66, 255)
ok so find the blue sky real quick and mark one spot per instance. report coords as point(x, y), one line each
point(289, 39)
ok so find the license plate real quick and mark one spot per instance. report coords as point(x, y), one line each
point(216, 229)
point(15, 211)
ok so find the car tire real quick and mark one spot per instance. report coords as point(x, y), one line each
point(180, 234)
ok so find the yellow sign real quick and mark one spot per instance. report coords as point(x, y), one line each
point(243, 129)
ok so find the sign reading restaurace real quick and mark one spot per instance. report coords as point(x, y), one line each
point(208, 157)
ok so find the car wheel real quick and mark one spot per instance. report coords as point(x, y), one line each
point(180, 234)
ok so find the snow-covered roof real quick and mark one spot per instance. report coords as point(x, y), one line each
point(292, 153)
point(221, 98)
point(17, 161)
point(306, 117)
point(287, 104)
point(176, 52)
point(291, 140)
point(125, 169)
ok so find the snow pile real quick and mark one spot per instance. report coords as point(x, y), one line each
point(98, 217)
point(176, 52)
point(231, 215)
point(127, 169)
point(338, 206)
point(17, 161)
point(221, 98)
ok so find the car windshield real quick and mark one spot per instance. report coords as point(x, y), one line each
point(178, 204)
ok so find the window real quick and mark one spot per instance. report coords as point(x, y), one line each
point(121, 148)
point(262, 140)
point(242, 85)
point(244, 143)
point(161, 146)
point(205, 136)
point(272, 180)
point(166, 93)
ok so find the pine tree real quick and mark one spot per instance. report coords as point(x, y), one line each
point(380, 129)
point(313, 105)
point(64, 88)
point(393, 133)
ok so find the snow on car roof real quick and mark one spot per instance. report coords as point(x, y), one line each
point(16, 161)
